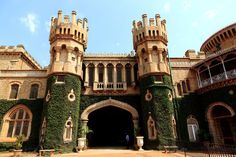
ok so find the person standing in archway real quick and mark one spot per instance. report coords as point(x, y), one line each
point(127, 139)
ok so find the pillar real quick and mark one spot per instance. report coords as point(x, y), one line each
point(132, 75)
point(209, 73)
point(105, 75)
point(114, 77)
point(86, 83)
point(96, 73)
point(123, 74)
point(222, 61)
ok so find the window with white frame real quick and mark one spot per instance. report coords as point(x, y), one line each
point(193, 128)
point(67, 137)
point(17, 122)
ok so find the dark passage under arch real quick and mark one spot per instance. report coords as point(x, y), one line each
point(110, 125)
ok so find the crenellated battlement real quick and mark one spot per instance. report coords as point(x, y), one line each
point(149, 29)
point(66, 27)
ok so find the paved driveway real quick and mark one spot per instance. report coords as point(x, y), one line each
point(107, 153)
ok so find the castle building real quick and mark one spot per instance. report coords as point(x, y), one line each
point(145, 92)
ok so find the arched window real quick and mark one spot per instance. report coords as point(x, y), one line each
point(119, 72)
point(67, 137)
point(100, 72)
point(174, 127)
point(179, 89)
point(136, 73)
point(17, 121)
point(193, 128)
point(14, 91)
point(91, 74)
point(110, 72)
point(184, 87)
point(69, 31)
point(34, 91)
point(64, 30)
point(75, 35)
point(128, 74)
point(188, 85)
point(84, 71)
point(152, 133)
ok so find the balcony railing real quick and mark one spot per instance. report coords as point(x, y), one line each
point(99, 86)
point(220, 77)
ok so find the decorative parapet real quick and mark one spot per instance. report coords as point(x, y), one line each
point(20, 49)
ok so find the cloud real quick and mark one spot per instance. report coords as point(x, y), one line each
point(30, 21)
point(187, 4)
point(211, 14)
point(167, 7)
point(47, 25)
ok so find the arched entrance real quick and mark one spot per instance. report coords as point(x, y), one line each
point(221, 123)
point(110, 120)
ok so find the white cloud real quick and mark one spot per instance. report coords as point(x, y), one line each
point(30, 21)
point(47, 25)
point(167, 7)
point(211, 14)
point(187, 4)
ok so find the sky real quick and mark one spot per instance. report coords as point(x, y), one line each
point(189, 22)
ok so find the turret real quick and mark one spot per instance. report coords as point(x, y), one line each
point(150, 43)
point(68, 40)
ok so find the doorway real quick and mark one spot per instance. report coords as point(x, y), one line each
point(109, 126)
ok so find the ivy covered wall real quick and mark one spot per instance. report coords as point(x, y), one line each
point(58, 109)
point(36, 107)
point(197, 104)
point(160, 107)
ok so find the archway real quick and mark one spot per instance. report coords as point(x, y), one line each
point(221, 123)
point(110, 120)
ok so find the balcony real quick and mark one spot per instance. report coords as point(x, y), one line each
point(100, 86)
point(220, 77)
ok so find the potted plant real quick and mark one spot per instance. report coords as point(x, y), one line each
point(82, 141)
point(18, 145)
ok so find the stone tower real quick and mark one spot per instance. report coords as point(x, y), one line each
point(150, 44)
point(68, 41)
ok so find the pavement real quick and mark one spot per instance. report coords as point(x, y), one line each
point(107, 153)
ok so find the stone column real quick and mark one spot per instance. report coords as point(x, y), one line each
point(132, 75)
point(114, 77)
point(123, 74)
point(223, 64)
point(96, 73)
point(86, 83)
point(150, 57)
point(105, 76)
point(209, 73)
point(57, 55)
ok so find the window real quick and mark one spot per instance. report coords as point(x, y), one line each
point(60, 79)
point(14, 91)
point(91, 74)
point(179, 89)
point(100, 72)
point(192, 125)
point(128, 74)
point(188, 85)
point(158, 78)
point(34, 91)
point(119, 72)
point(152, 133)
point(184, 87)
point(110, 68)
point(17, 122)
point(67, 137)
